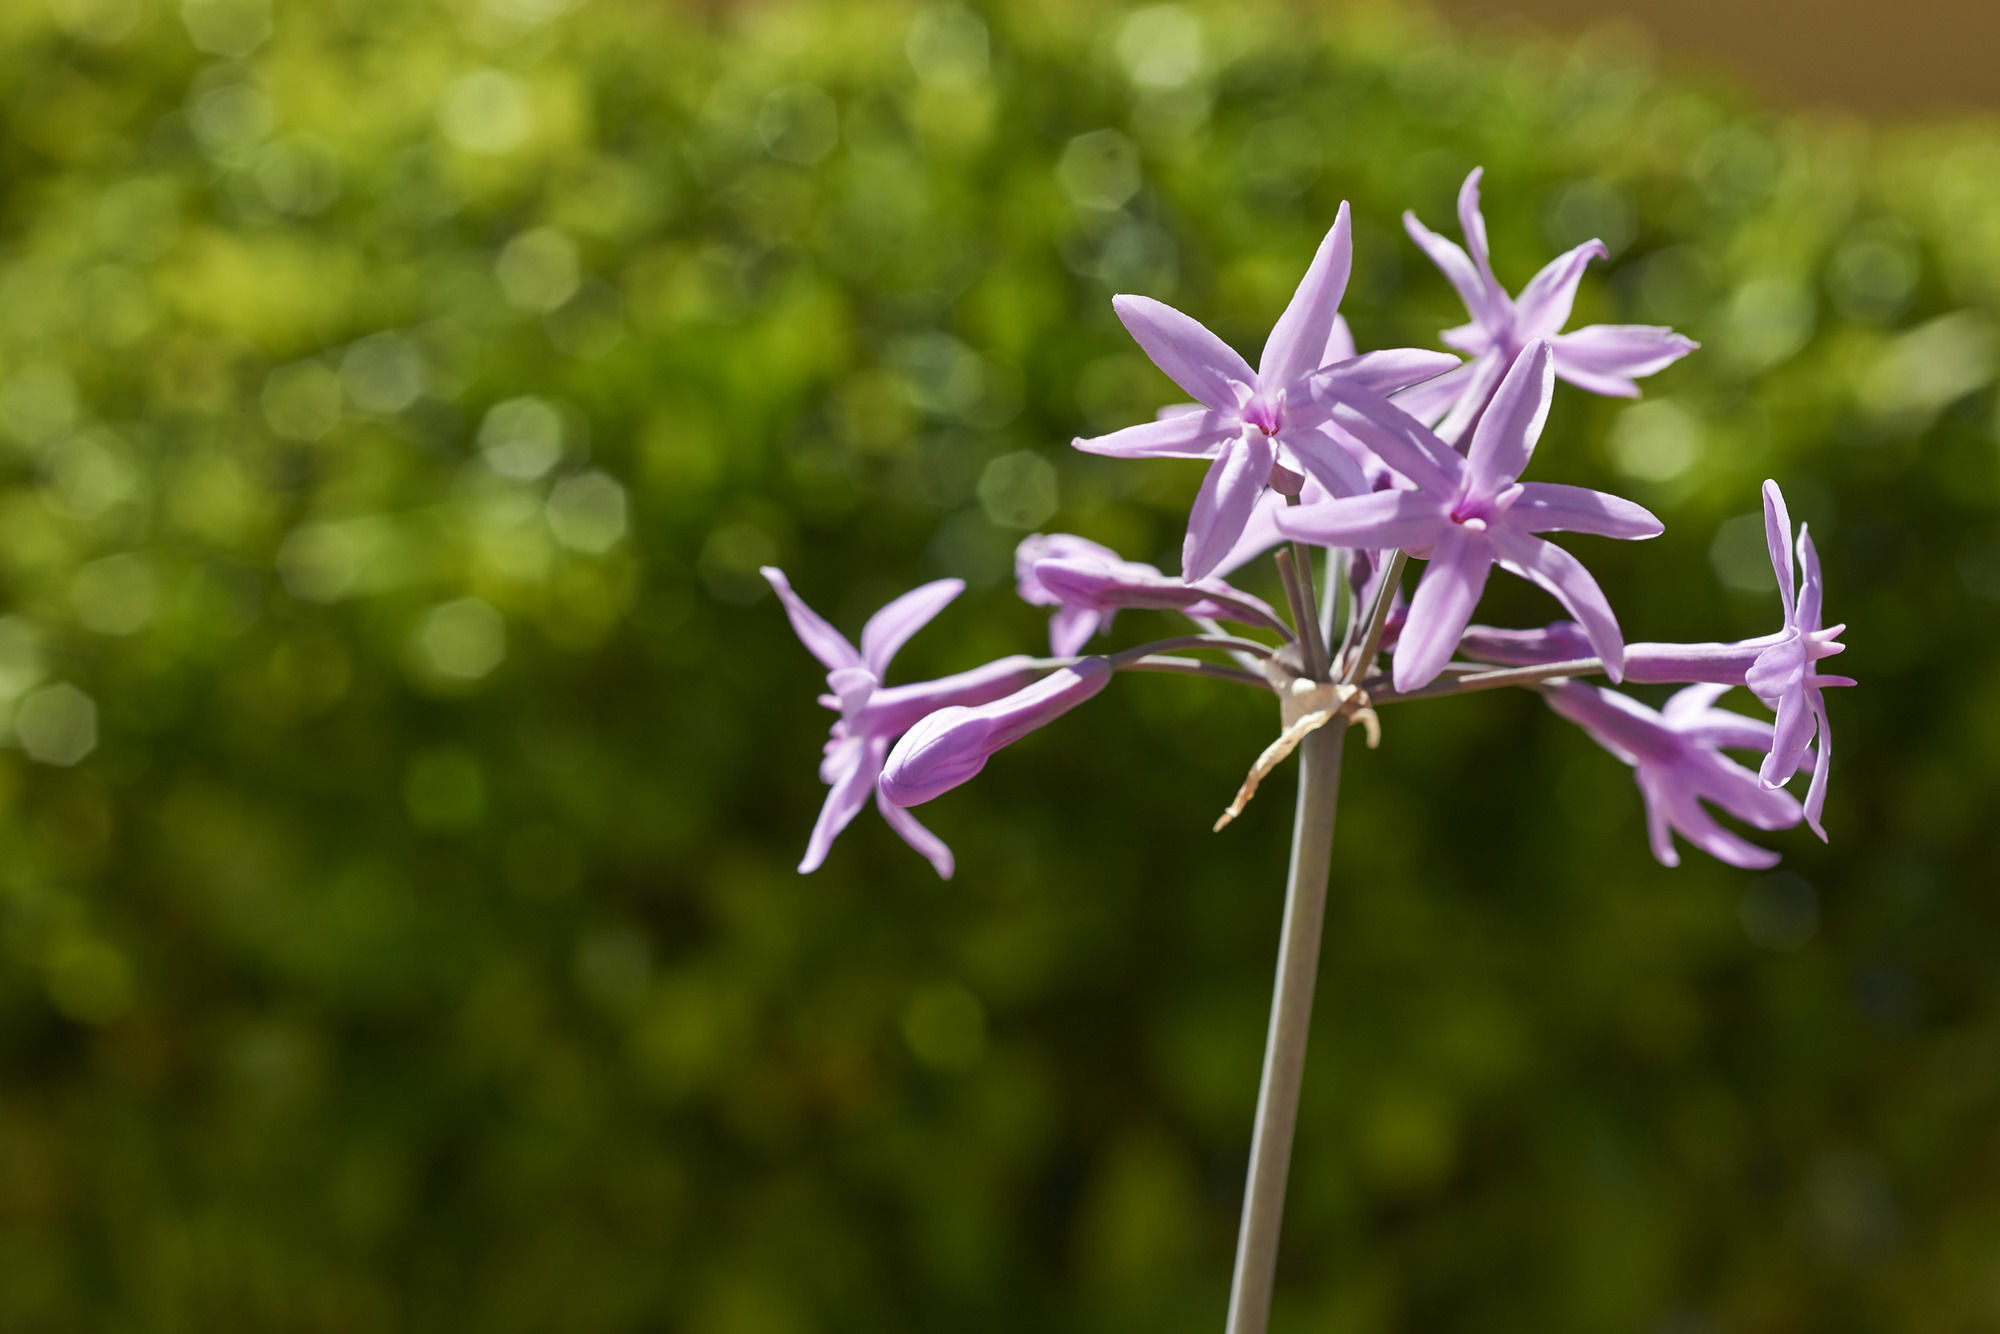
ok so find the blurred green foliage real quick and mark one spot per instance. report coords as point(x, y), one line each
point(405, 768)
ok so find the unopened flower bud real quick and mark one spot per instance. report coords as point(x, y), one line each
point(952, 745)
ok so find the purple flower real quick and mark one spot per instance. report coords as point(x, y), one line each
point(1677, 753)
point(952, 745)
point(1089, 584)
point(1466, 513)
point(1603, 358)
point(1249, 420)
point(872, 716)
point(1784, 676)
point(1072, 626)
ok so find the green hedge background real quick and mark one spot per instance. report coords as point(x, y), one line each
point(405, 767)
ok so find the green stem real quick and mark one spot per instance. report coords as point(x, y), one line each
point(1285, 1044)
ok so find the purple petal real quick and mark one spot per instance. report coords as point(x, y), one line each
point(1038, 547)
point(1457, 268)
point(1543, 307)
point(1339, 339)
point(1072, 627)
point(914, 834)
point(1810, 590)
point(1194, 358)
point(951, 746)
point(1778, 537)
point(1619, 723)
point(1791, 734)
point(1687, 705)
point(1728, 664)
point(1552, 507)
point(1185, 435)
point(1606, 358)
point(1327, 461)
point(821, 640)
point(852, 686)
point(1564, 577)
point(1778, 670)
point(1816, 789)
point(1505, 437)
point(1559, 641)
point(852, 771)
point(1446, 595)
point(1299, 338)
point(890, 711)
point(890, 628)
point(1487, 368)
point(1700, 829)
point(1472, 223)
point(1430, 401)
point(1222, 507)
point(1401, 441)
point(1386, 372)
point(1736, 790)
point(1105, 587)
point(1408, 520)
point(1659, 829)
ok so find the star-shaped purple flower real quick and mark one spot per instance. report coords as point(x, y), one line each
point(1784, 675)
point(1467, 513)
point(1677, 755)
point(1248, 420)
point(873, 716)
point(1602, 358)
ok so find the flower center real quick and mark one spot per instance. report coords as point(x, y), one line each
point(1266, 414)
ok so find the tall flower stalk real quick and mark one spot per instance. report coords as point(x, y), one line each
point(1344, 467)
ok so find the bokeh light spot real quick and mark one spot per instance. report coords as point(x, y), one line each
point(1018, 490)
point(115, 595)
point(1099, 170)
point(383, 374)
point(302, 401)
point(538, 270)
point(948, 44)
point(588, 512)
point(486, 112)
point(57, 724)
point(461, 640)
point(522, 437)
point(1656, 440)
point(227, 27)
point(1161, 46)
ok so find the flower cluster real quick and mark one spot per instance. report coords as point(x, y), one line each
point(1374, 459)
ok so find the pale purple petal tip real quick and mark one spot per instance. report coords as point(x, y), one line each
point(890, 628)
point(913, 833)
point(1195, 359)
point(1299, 339)
point(1505, 437)
point(821, 640)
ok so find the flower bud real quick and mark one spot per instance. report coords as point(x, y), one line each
point(951, 746)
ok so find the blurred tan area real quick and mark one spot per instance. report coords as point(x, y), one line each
point(1916, 59)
